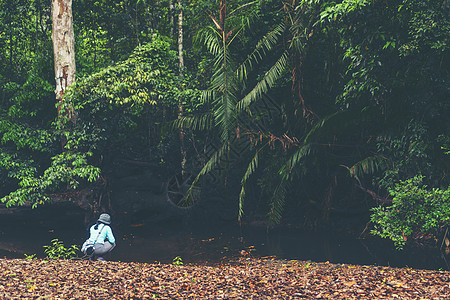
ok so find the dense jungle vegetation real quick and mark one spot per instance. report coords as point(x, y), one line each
point(298, 109)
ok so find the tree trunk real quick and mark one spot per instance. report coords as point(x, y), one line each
point(63, 46)
point(181, 70)
point(180, 37)
point(64, 58)
point(171, 8)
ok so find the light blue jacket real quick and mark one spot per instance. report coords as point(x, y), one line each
point(106, 232)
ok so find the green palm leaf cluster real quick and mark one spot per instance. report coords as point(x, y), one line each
point(231, 102)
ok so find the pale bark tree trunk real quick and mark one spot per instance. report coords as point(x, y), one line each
point(181, 70)
point(64, 58)
point(171, 8)
point(63, 46)
point(180, 37)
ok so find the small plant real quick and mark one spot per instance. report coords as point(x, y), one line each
point(307, 266)
point(177, 261)
point(31, 256)
point(30, 284)
point(57, 250)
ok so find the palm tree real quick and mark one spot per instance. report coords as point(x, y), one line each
point(222, 95)
point(232, 110)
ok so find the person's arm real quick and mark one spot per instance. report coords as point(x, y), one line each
point(110, 235)
point(91, 233)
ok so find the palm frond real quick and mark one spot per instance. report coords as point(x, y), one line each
point(208, 37)
point(368, 165)
point(269, 79)
point(202, 122)
point(294, 160)
point(276, 203)
point(223, 99)
point(250, 170)
point(321, 126)
point(278, 198)
point(334, 124)
point(209, 166)
point(241, 7)
point(207, 96)
point(298, 44)
point(225, 115)
point(264, 45)
point(224, 81)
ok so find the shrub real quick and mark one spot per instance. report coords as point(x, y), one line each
point(415, 209)
point(57, 250)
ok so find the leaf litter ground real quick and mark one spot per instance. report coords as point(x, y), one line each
point(240, 279)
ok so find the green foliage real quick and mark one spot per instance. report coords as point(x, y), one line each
point(308, 86)
point(24, 137)
point(177, 261)
point(393, 56)
point(122, 93)
point(428, 27)
point(406, 153)
point(368, 166)
point(398, 157)
point(110, 106)
point(66, 169)
point(31, 256)
point(335, 11)
point(23, 147)
point(372, 46)
point(57, 250)
point(126, 101)
point(277, 203)
point(147, 76)
point(415, 209)
point(444, 141)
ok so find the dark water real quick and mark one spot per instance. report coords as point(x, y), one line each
point(27, 234)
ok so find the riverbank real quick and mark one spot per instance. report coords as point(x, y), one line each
point(241, 279)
